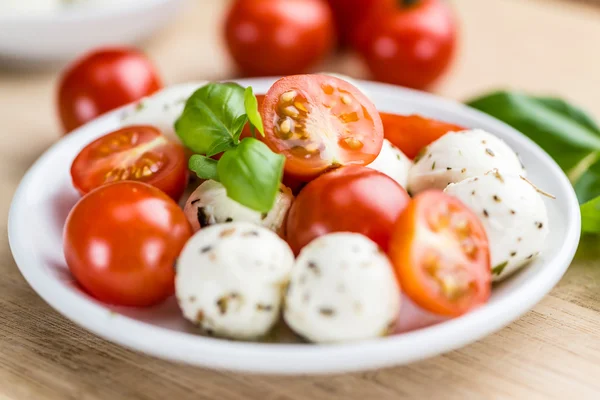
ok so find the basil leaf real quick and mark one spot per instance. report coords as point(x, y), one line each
point(564, 131)
point(213, 118)
point(252, 174)
point(251, 105)
point(590, 216)
point(204, 167)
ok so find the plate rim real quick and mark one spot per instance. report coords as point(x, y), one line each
point(293, 359)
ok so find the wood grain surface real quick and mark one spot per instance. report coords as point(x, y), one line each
point(546, 46)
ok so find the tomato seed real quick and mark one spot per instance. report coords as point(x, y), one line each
point(300, 106)
point(289, 96)
point(353, 143)
point(346, 99)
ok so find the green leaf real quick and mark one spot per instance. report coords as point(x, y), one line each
point(590, 216)
point(251, 105)
point(252, 174)
point(204, 167)
point(564, 131)
point(213, 118)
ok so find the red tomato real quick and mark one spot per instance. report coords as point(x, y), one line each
point(102, 81)
point(409, 45)
point(440, 252)
point(349, 199)
point(121, 242)
point(137, 153)
point(411, 133)
point(278, 37)
point(348, 14)
point(319, 122)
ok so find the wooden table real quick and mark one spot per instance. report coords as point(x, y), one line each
point(545, 46)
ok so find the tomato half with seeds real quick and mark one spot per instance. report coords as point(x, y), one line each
point(440, 252)
point(320, 122)
point(411, 133)
point(138, 153)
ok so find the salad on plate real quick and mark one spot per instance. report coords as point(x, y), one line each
point(303, 206)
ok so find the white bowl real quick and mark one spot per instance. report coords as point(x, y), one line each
point(45, 196)
point(52, 37)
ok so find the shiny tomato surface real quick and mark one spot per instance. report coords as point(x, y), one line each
point(101, 81)
point(121, 242)
point(349, 199)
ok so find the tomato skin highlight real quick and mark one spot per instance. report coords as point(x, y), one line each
point(101, 81)
point(278, 37)
point(349, 199)
point(320, 122)
point(409, 45)
point(121, 242)
point(441, 255)
point(139, 153)
point(411, 133)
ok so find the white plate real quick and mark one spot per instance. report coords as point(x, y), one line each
point(45, 196)
point(39, 39)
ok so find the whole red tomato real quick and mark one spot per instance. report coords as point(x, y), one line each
point(121, 242)
point(102, 81)
point(409, 43)
point(349, 199)
point(278, 37)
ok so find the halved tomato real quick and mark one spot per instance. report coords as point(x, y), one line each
point(320, 122)
point(410, 133)
point(441, 255)
point(135, 153)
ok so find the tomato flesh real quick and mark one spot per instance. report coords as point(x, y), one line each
point(320, 122)
point(441, 255)
point(411, 133)
point(138, 153)
point(349, 199)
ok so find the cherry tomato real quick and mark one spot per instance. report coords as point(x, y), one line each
point(409, 43)
point(441, 255)
point(349, 199)
point(348, 14)
point(138, 153)
point(121, 242)
point(320, 122)
point(278, 37)
point(411, 133)
point(102, 81)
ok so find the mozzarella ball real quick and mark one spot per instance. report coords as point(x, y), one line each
point(461, 155)
point(209, 205)
point(342, 288)
point(392, 162)
point(513, 214)
point(161, 109)
point(230, 279)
